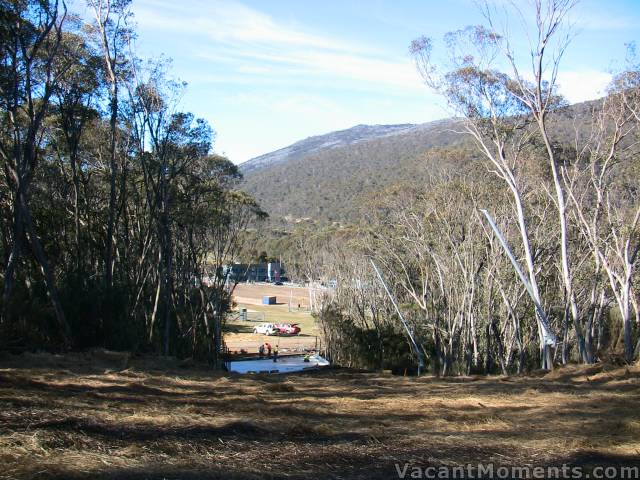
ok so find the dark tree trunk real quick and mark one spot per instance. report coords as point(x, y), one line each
point(500, 345)
point(47, 272)
point(108, 254)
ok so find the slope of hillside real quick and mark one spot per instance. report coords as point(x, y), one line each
point(329, 177)
point(318, 143)
point(325, 181)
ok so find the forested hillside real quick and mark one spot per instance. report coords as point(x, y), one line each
point(438, 206)
point(328, 178)
point(116, 217)
point(320, 143)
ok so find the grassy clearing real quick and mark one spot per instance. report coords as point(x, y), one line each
point(249, 296)
point(75, 419)
point(279, 314)
point(239, 334)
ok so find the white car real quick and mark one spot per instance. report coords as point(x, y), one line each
point(266, 329)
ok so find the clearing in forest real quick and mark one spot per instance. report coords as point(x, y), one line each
point(72, 420)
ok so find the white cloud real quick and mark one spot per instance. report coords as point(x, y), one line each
point(300, 105)
point(579, 86)
point(255, 44)
point(266, 82)
point(226, 21)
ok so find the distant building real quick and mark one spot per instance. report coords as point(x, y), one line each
point(255, 272)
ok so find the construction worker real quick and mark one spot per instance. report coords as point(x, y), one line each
point(275, 353)
point(268, 345)
point(261, 350)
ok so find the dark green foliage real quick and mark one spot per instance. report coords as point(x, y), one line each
point(112, 207)
point(351, 345)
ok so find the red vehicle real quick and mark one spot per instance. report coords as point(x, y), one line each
point(288, 328)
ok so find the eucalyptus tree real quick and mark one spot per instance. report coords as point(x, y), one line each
point(426, 242)
point(402, 245)
point(76, 97)
point(362, 298)
point(505, 113)
point(602, 186)
point(117, 202)
point(549, 40)
point(32, 33)
point(212, 218)
point(112, 35)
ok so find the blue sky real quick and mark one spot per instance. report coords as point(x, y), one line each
point(268, 73)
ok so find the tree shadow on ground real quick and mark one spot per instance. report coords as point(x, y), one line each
point(330, 424)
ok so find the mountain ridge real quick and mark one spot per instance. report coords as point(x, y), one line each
point(334, 139)
point(332, 177)
point(323, 178)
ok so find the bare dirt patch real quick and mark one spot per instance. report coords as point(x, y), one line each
point(252, 293)
point(73, 420)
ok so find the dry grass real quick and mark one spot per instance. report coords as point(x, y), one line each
point(72, 420)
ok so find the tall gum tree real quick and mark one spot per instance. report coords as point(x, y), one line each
point(496, 119)
point(112, 34)
point(548, 43)
point(601, 186)
point(32, 33)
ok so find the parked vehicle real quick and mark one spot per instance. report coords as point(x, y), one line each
point(288, 328)
point(266, 329)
